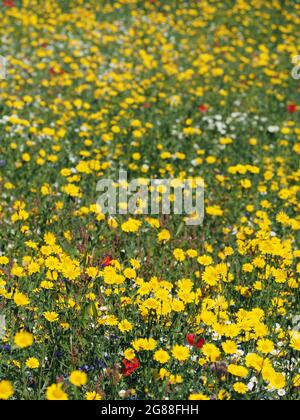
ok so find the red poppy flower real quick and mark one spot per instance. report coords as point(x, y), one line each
point(8, 3)
point(292, 108)
point(203, 108)
point(193, 341)
point(200, 343)
point(190, 338)
point(107, 261)
point(130, 366)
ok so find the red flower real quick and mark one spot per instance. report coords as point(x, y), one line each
point(130, 366)
point(292, 108)
point(190, 338)
point(53, 72)
point(8, 3)
point(200, 343)
point(107, 261)
point(193, 341)
point(203, 108)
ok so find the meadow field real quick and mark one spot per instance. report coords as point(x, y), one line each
point(102, 306)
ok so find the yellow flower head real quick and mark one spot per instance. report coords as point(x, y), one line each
point(78, 378)
point(23, 339)
point(55, 393)
point(6, 390)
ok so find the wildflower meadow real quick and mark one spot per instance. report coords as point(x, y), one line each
point(121, 297)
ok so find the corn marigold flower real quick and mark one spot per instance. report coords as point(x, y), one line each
point(21, 299)
point(6, 390)
point(51, 316)
point(55, 393)
point(32, 363)
point(229, 347)
point(125, 326)
point(23, 339)
point(93, 396)
point(240, 388)
point(211, 352)
point(131, 226)
point(78, 378)
point(265, 346)
point(129, 354)
point(161, 356)
point(180, 353)
point(164, 236)
point(199, 397)
point(239, 371)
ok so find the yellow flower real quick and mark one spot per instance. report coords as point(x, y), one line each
point(199, 397)
point(111, 276)
point(192, 253)
point(295, 340)
point(55, 393)
point(78, 378)
point(176, 379)
point(26, 157)
point(47, 285)
point(164, 236)
point(210, 276)
point(129, 354)
point(72, 190)
point(161, 356)
point(265, 346)
point(131, 226)
point(130, 273)
point(49, 238)
point(23, 339)
point(277, 380)
point(32, 363)
point(246, 183)
point(135, 263)
point(20, 299)
point(177, 305)
point(214, 211)
point(254, 361)
point(248, 268)
point(6, 390)
point(125, 326)
point(229, 347)
point(205, 260)
point(51, 316)
point(223, 395)
point(149, 344)
point(4, 260)
point(16, 364)
point(296, 381)
point(93, 396)
point(240, 388)
point(211, 352)
point(179, 254)
point(180, 353)
point(155, 223)
point(239, 371)
point(92, 272)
